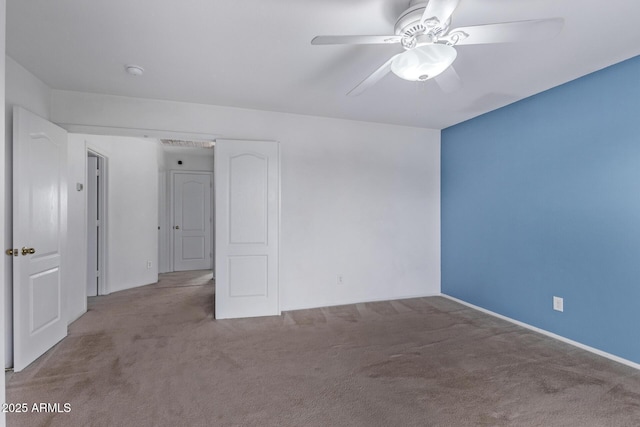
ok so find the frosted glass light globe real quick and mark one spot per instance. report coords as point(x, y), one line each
point(423, 62)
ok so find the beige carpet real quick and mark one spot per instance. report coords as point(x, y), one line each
point(153, 356)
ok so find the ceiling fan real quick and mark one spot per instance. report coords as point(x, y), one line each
point(424, 32)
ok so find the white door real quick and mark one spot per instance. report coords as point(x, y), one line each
point(192, 221)
point(247, 195)
point(39, 226)
point(92, 226)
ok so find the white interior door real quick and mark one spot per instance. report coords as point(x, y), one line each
point(247, 193)
point(192, 221)
point(39, 227)
point(92, 226)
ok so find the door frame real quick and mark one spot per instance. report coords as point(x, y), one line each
point(103, 200)
point(164, 262)
point(171, 216)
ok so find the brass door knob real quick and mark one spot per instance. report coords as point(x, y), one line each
point(12, 252)
point(26, 251)
point(177, 227)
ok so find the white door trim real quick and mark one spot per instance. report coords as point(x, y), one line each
point(103, 209)
point(92, 228)
point(170, 225)
point(163, 224)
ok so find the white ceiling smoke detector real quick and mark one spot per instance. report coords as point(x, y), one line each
point(134, 70)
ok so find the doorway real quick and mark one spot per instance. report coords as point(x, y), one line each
point(96, 222)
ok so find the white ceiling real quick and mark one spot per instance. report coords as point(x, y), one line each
point(257, 53)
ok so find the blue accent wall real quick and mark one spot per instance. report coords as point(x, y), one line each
point(542, 198)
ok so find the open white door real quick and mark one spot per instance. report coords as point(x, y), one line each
point(192, 221)
point(39, 225)
point(247, 195)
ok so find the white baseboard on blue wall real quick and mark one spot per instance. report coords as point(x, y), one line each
point(549, 334)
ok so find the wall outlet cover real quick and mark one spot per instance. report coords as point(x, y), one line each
point(558, 303)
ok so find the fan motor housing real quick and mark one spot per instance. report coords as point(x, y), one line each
point(408, 24)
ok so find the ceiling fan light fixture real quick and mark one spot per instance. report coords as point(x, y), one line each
point(423, 62)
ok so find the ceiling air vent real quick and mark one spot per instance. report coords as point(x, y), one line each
point(187, 144)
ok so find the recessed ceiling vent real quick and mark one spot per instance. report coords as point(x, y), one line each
point(134, 70)
point(187, 144)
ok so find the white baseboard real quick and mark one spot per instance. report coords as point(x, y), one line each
point(549, 334)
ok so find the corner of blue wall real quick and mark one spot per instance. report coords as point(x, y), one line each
point(542, 198)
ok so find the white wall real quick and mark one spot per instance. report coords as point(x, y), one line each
point(132, 208)
point(2, 198)
point(364, 205)
point(25, 90)
point(358, 199)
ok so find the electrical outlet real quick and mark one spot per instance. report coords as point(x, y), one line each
point(558, 304)
point(340, 279)
point(148, 265)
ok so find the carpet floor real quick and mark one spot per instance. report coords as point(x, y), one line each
point(153, 356)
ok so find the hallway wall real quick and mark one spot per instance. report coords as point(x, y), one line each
point(132, 192)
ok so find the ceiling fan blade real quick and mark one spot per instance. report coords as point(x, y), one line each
point(440, 10)
point(356, 39)
point(449, 80)
point(373, 78)
point(507, 32)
